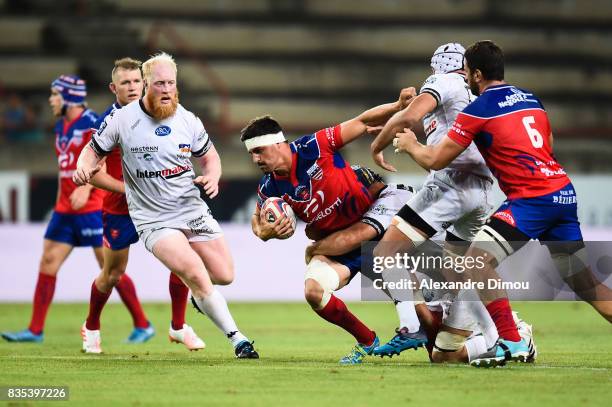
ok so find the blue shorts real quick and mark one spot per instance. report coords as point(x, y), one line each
point(352, 260)
point(76, 230)
point(119, 231)
point(552, 217)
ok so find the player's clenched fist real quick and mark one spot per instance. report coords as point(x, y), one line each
point(82, 175)
point(403, 142)
point(406, 96)
point(209, 184)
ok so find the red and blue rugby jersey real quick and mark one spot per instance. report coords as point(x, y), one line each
point(321, 188)
point(70, 138)
point(114, 203)
point(511, 130)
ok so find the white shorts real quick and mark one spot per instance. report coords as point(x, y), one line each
point(200, 229)
point(455, 201)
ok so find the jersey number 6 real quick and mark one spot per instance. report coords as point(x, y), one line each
point(534, 135)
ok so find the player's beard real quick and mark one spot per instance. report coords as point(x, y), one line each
point(474, 87)
point(161, 111)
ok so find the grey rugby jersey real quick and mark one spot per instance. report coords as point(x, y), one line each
point(157, 172)
point(452, 95)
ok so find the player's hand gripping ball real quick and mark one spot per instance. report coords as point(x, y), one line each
point(275, 208)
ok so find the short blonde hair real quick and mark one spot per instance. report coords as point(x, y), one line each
point(126, 63)
point(162, 57)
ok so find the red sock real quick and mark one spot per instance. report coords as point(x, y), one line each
point(501, 313)
point(97, 300)
point(43, 295)
point(127, 292)
point(178, 295)
point(432, 330)
point(336, 312)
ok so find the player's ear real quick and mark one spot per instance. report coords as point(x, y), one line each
point(112, 88)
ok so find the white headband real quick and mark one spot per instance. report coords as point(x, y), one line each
point(264, 140)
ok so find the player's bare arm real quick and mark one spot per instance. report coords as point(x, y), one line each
point(105, 181)
point(281, 228)
point(80, 196)
point(410, 117)
point(376, 116)
point(88, 165)
point(430, 157)
point(341, 242)
point(211, 172)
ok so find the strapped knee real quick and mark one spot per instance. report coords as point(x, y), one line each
point(491, 241)
point(571, 259)
point(449, 342)
point(408, 230)
point(325, 276)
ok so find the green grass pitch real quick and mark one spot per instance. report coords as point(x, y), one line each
point(298, 365)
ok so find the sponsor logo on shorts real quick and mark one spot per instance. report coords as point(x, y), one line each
point(88, 232)
point(506, 216)
point(162, 131)
point(565, 197)
point(166, 173)
point(380, 209)
point(199, 225)
point(115, 233)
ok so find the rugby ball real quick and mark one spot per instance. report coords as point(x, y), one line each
point(275, 208)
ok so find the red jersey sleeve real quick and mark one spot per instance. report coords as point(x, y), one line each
point(465, 128)
point(329, 140)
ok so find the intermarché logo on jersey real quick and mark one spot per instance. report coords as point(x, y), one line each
point(166, 173)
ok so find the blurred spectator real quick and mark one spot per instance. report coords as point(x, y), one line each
point(19, 121)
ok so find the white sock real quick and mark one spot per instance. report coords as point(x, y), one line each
point(215, 307)
point(481, 316)
point(490, 335)
point(407, 316)
point(475, 346)
point(485, 323)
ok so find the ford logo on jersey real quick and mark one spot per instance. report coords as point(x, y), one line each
point(162, 131)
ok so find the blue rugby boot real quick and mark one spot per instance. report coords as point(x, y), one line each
point(359, 352)
point(23, 336)
point(141, 335)
point(401, 341)
point(245, 350)
point(502, 352)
